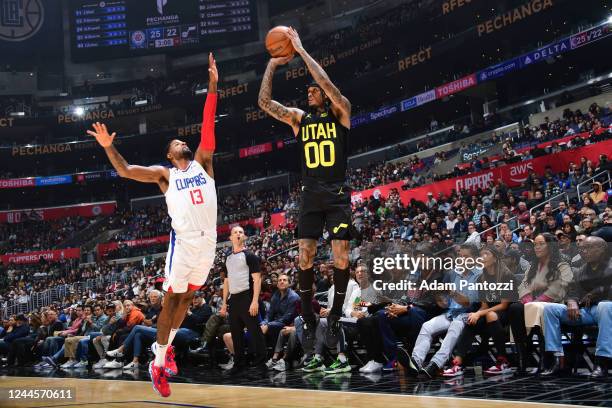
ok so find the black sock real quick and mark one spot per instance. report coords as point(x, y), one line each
point(341, 279)
point(305, 282)
point(495, 330)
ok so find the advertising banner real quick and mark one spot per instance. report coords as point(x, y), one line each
point(498, 70)
point(53, 180)
point(105, 248)
point(456, 86)
point(548, 51)
point(53, 213)
point(34, 257)
point(255, 150)
point(18, 182)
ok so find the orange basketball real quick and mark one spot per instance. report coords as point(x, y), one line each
point(278, 43)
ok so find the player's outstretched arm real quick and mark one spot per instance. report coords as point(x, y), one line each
point(340, 102)
point(150, 174)
point(290, 116)
point(206, 149)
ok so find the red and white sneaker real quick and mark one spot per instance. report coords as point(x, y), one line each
point(456, 370)
point(501, 368)
point(170, 364)
point(159, 380)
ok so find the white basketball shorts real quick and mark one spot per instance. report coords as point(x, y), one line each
point(188, 262)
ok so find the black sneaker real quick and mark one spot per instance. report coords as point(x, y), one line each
point(333, 325)
point(430, 372)
point(409, 364)
point(235, 371)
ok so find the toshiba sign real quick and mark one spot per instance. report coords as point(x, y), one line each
point(456, 86)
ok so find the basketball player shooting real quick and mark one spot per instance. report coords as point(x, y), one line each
point(322, 135)
point(191, 198)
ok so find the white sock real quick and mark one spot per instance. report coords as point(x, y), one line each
point(342, 358)
point(171, 335)
point(160, 355)
point(318, 356)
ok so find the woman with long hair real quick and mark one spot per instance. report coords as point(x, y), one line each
point(485, 224)
point(569, 229)
point(492, 316)
point(546, 281)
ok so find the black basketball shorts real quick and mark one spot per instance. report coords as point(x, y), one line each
point(325, 205)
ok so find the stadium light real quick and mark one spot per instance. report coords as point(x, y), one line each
point(201, 91)
point(141, 102)
point(79, 111)
point(610, 20)
point(17, 114)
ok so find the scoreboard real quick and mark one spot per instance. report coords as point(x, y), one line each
point(121, 28)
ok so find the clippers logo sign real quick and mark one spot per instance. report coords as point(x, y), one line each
point(519, 172)
point(475, 182)
point(20, 19)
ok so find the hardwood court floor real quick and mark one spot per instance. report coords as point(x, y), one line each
point(98, 393)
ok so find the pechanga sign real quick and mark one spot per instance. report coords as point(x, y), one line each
point(513, 16)
point(96, 115)
point(35, 150)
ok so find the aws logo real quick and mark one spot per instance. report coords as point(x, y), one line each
point(519, 172)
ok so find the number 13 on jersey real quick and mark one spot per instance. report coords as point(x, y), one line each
point(320, 154)
point(196, 196)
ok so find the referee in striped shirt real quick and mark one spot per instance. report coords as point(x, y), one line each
point(243, 284)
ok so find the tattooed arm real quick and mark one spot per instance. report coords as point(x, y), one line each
point(291, 116)
point(340, 104)
point(150, 174)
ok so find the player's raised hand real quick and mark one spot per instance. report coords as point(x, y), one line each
point(101, 134)
point(295, 39)
point(213, 74)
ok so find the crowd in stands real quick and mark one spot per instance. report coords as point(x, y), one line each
point(559, 238)
point(33, 234)
point(240, 206)
point(551, 254)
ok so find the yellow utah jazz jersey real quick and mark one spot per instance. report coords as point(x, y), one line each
point(324, 146)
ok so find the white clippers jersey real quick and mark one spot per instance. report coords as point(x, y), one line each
point(192, 200)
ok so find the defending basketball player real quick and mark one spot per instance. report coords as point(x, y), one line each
point(322, 134)
point(191, 198)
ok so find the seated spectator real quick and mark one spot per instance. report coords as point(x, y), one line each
point(323, 337)
point(489, 320)
point(69, 349)
point(404, 321)
point(598, 195)
point(281, 311)
point(55, 343)
point(17, 352)
point(452, 321)
point(588, 303)
point(95, 323)
point(18, 329)
point(474, 236)
point(50, 325)
point(546, 281)
point(114, 312)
